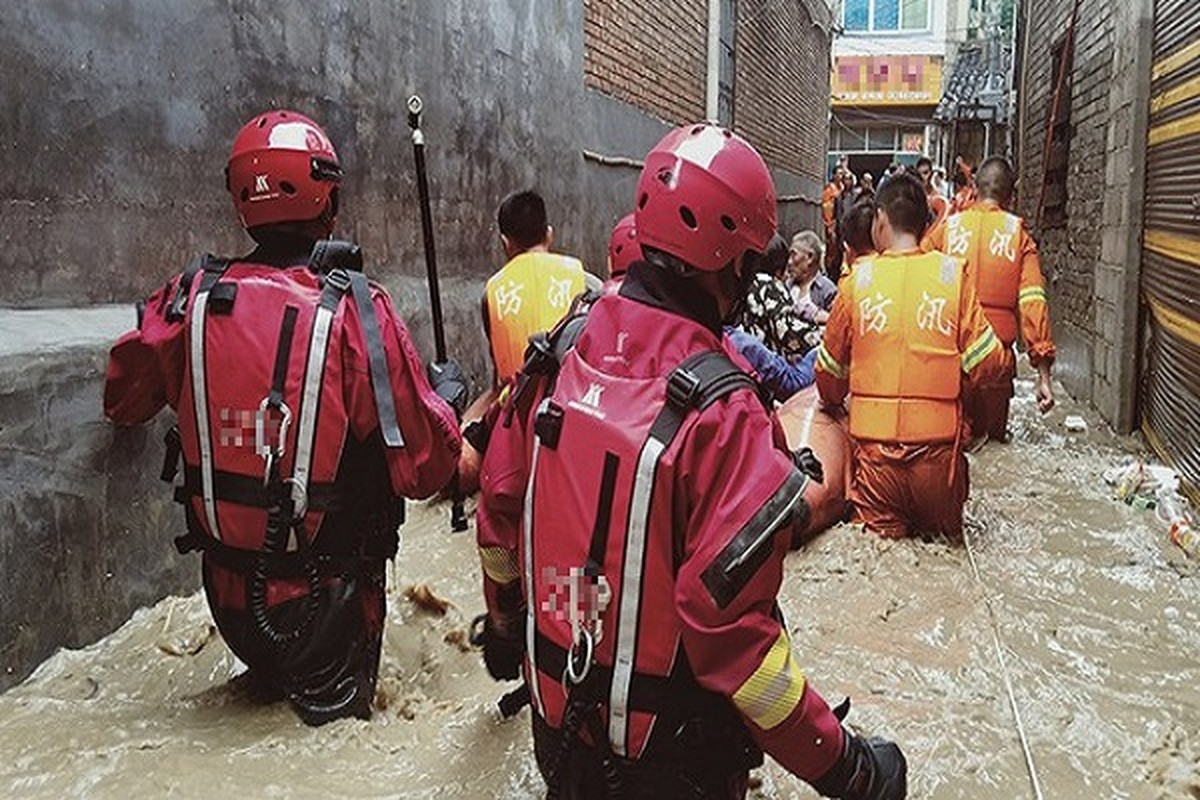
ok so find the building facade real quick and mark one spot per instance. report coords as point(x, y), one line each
point(889, 63)
point(1108, 152)
point(760, 66)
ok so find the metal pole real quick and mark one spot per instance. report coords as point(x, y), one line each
point(712, 78)
point(435, 296)
point(458, 517)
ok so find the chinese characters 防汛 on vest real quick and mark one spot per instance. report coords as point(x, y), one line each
point(529, 295)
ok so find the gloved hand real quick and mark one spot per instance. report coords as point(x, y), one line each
point(502, 655)
point(807, 462)
point(447, 379)
point(869, 769)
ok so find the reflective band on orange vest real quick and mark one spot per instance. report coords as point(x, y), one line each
point(828, 363)
point(979, 349)
point(1032, 294)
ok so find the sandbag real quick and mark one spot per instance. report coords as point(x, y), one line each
point(806, 424)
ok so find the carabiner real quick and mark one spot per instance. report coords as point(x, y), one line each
point(573, 673)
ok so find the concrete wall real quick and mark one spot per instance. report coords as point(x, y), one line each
point(1093, 262)
point(85, 525)
point(115, 124)
point(113, 178)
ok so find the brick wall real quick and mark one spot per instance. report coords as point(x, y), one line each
point(782, 86)
point(649, 54)
point(1091, 263)
point(652, 55)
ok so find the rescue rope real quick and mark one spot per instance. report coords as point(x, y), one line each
point(999, 647)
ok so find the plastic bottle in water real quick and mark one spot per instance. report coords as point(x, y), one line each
point(1173, 510)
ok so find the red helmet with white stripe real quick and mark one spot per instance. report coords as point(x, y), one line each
point(623, 247)
point(705, 196)
point(283, 168)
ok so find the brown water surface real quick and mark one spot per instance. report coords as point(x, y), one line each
point(1098, 613)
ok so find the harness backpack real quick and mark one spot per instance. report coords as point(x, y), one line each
point(263, 430)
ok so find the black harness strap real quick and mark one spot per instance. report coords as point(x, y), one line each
point(247, 490)
point(178, 308)
point(652, 694)
point(276, 565)
point(385, 405)
point(283, 356)
point(544, 357)
point(213, 269)
point(608, 483)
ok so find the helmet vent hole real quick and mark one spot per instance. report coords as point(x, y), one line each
point(262, 121)
point(245, 194)
point(642, 200)
point(696, 131)
point(728, 222)
point(728, 133)
point(287, 187)
point(688, 217)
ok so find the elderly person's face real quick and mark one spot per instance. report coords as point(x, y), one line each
point(802, 262)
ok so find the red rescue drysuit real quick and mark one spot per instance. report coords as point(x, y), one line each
point(279, 373)
point(652, 508)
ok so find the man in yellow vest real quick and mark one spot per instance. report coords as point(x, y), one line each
point(1002, 262)
point(905, 335)
point(534, 290)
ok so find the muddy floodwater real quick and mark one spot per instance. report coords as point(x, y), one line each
point(1097, 613)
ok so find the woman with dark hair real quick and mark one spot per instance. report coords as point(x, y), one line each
point(770, 314)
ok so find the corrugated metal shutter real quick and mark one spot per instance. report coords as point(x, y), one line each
point(1171, 256)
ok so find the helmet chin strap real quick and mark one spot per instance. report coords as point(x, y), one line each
point(735, 285)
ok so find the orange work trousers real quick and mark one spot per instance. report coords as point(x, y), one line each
point(899, 490)
point(986, 407)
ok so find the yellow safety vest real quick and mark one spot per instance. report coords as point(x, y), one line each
point(906, 371)
point(529, 295)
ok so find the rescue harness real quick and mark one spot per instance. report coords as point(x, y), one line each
point(286, 551)
point(696, 720)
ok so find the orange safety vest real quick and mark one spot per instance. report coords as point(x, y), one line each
point(990, 241)
point(938, 208)
point(906, 369)
point(529, 295)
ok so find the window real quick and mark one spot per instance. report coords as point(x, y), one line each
point(854, 139)
point(728, 62)
point(1052, 211)
point(875, 139)
point(883, 16)
point(881, 139)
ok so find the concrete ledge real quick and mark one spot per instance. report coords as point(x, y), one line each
point(85, 524)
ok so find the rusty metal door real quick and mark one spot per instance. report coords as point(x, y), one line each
point(1170, 280)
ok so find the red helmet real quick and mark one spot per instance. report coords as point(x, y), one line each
point(623, 247)
point(282, 168)
point(705, 196)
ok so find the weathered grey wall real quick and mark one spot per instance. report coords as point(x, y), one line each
point(116, 121)
point(115, 124)
point(85, 526)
